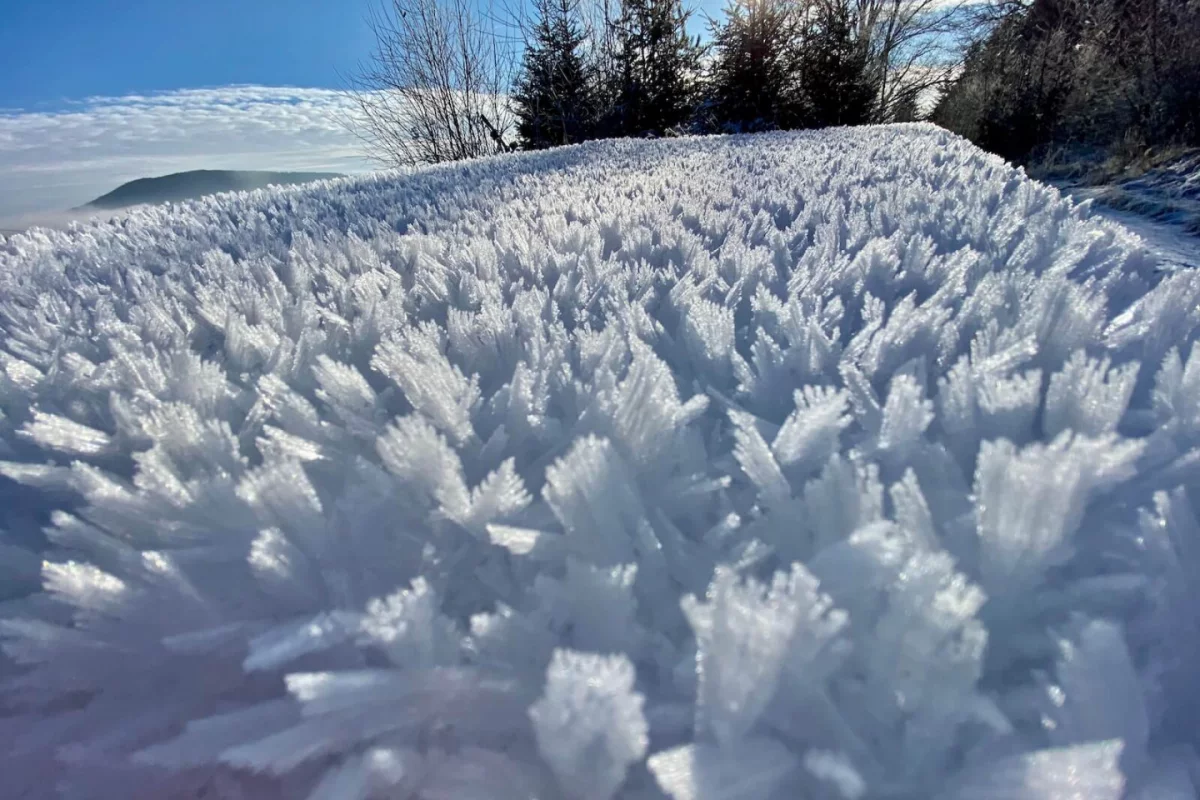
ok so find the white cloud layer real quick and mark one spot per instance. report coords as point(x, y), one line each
point(53, 161)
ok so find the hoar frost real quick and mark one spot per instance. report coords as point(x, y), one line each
point(836, 465)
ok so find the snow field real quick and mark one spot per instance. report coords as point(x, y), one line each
point(833, 465)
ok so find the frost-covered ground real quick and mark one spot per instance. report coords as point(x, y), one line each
point(1178, 245)
point(1161, 203)
point(1168, 192)
point(834, 465)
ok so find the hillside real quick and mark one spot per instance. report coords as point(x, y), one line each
point(198, 183)
point(840, 465)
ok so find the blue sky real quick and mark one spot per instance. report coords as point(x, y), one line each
point(54, 50)
point(94, 93)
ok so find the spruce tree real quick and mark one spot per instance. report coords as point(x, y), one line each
point(837, 85)
point(657, 69)
point(554, 99)
point(755, 77)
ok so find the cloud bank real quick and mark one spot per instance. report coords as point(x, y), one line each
point(54, 160)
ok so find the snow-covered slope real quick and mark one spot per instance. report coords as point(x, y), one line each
point(1168, 192)
point(849, 464)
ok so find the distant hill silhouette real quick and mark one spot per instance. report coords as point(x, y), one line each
point(197, 183)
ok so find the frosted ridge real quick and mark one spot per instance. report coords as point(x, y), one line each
point(837, 465)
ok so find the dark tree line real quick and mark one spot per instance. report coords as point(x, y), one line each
point(1093, 73)
point(781, 64)
point(769, 65)
point(640, 77)
point(451, 80)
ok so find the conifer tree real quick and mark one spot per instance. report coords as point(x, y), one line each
point(554, 99)
point(657, 69)
point(837, 85)
point(755, 77)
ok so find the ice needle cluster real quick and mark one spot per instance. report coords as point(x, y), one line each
point(844, 465)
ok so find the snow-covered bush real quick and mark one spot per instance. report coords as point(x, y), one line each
point(835, 465)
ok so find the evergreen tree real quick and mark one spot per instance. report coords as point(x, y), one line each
point(554, 100)
point(756, 73)
point(657, 69)
point(837, 85)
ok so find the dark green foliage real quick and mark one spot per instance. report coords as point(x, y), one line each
point(656, 70)
point(837, 88)
point(777, 64)
point(756, 72)
point(555, 98)
point(789, 64)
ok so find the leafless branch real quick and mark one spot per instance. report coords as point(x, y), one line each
point(436, 87)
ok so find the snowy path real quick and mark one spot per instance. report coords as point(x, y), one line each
point(1178, 248)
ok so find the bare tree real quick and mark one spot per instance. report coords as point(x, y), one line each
point(909, 46)
point(436, 87)
point(1056, 77)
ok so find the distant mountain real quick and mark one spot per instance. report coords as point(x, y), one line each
point(197, 183)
